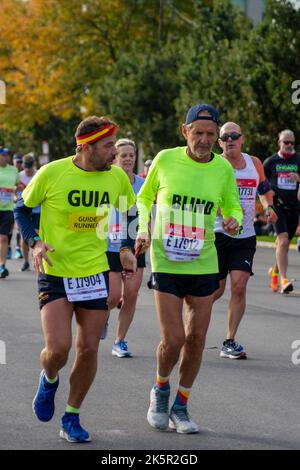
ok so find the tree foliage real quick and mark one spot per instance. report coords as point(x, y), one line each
point(144, 62)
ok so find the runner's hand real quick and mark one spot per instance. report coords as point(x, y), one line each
point(294, 177)
point(231, 226)
point(142, 243)
point(39, 254)
point(271, 216)
point(129, 263)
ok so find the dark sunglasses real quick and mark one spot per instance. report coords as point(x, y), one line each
point(232, 136)
point(289, 142)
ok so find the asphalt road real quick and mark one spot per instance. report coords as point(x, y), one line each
point(251, 404)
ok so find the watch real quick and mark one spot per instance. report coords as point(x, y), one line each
point(32, 241)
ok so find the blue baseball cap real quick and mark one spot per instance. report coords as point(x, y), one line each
point(18, 157)
point(4, 151)
point(194, 111)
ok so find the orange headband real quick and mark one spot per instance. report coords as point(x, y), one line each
point(99, 134)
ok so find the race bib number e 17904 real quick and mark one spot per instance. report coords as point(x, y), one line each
point(85, 288)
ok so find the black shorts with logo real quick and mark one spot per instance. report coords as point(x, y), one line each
point(52, 288)
point(288, 220)
point(35, 217)
point(181, 285)
point(6, 222)
point(235, 254)
point(115, 265)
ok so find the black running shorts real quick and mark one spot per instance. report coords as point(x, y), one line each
point(181, 285)
point(35, 217)
point(52, 288)
point(235, 254)
point(115, 265)
point(6, 222)
point(288, 220)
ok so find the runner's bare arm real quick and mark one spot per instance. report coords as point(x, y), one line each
point(265, 192)
point(230, 206)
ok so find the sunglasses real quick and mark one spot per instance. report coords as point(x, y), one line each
point(289, 142)
point(232, 136)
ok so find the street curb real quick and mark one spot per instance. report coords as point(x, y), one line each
point(272, 245)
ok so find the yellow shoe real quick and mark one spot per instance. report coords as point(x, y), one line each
point(286, 286)
point(274, 285)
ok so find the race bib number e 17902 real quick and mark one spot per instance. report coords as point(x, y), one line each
point(183, 243)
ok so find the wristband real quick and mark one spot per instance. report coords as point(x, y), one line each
point(125, 248)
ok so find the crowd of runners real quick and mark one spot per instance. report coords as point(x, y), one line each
point(89, 221)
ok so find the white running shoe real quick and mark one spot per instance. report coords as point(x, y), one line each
point(158, 412)
point(181, 421)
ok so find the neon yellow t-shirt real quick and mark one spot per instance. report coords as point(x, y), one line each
point(75, 210)
point(9, 179)
point(183, 239)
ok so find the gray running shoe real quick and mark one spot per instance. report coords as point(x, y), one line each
point(232, 350)
point(181, 421)
point(158, 412)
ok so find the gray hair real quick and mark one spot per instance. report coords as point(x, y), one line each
point(286, 131)
point(123, 142)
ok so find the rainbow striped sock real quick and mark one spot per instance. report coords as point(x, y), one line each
point(182, 396)
point(162, 382)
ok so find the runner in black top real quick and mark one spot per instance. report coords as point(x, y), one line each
point(283, 172)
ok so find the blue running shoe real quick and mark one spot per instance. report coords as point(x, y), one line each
point(233, 350)
point(18, 253)
point(71, 430)
point(43, 402)
point(9, 253)
point(120, 349)
point(3, 272)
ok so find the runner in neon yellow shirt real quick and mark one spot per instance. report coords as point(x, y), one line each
point(9, 179)
point(76, 196)
point(75, 208)
point(190, 184)
point(186, 236)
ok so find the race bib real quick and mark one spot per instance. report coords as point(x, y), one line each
point(6, 195)
point(283, 182)
point(115, 234)
point(85, 288)
point(247, 189)
point(183, 243)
